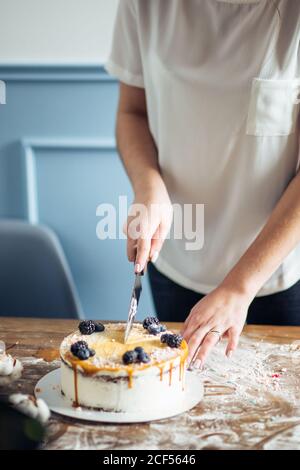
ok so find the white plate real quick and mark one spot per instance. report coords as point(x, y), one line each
point(48, 388)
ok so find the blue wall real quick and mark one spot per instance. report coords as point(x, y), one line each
point(58, 162)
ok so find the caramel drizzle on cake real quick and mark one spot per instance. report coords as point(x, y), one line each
point(161, 371)
point(170, 373)
point(130, 377)
point(76, 401)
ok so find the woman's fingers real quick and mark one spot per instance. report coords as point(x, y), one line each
point(141, 250)
point(146, 227)
point(138, 248)
point(131, 249)
point(233, 340)
point(193, 325)
point(142, 254)
point(145, 248)
point(131, 243)
point(189, 324)
point(210, 340)
point(195, 342)
point(156, 243)
point(185, 324)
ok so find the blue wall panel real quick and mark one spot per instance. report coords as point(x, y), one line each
point(57, 128)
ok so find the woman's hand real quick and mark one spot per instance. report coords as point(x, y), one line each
point(224, 310)
point(148, 223)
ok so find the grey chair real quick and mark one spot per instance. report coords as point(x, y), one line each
point(35, 279)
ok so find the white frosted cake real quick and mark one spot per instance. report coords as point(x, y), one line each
point(99, 371)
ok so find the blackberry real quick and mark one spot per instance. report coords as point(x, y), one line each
point(164, 338)
point(99, 327)
point(86, 327)
point(154, 329)
point(129, 357)
point(138, 355)
point(150, 321)
point(83, 354)
point(139, 349)
point(92, 352)
point(78, 347)
point(143, 357)
point(173, 341)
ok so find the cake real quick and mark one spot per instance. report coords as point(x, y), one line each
point(99, 371)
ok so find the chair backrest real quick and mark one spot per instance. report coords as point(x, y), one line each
point(35, 279)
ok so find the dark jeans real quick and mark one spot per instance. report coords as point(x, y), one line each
point(174, 302)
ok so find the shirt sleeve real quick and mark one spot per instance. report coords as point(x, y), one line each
point(125, 61)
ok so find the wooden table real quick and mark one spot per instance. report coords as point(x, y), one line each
point(251, 401)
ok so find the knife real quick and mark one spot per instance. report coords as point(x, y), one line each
point(134, 300)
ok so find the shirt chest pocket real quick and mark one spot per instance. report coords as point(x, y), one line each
point(273, 107)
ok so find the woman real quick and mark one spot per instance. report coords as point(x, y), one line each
point(208, 114)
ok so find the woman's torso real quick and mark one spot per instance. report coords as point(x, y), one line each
point(221, 81)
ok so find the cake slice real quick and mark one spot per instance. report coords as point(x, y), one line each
point(99, 371)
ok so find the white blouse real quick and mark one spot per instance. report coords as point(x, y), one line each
point(222, 82)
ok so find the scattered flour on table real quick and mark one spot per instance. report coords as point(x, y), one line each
point(252, 401)
point(258, 372)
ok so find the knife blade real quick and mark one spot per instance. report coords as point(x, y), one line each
point(134, 300)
